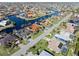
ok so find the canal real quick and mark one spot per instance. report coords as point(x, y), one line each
point(20, 23)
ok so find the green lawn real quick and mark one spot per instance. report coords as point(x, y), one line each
point(77, 42)
point(77, 47)
point(7, 51)
point(39, 47)
point(53, 52)
point(59, 54)
point(36, 34)
point(49, 36)
point(24, 42)
point(70, 52)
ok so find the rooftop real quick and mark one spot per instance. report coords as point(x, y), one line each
point(45, 53)
point(6, 39)
point(35, 27)
point(53, 45)
point(64, 36)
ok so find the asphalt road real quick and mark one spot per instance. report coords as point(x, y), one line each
point(24, 48)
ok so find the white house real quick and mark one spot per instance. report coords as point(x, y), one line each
point(64, 36)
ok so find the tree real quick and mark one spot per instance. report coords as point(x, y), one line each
point(77, 42)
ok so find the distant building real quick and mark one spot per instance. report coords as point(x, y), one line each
point(47, 22)
point(75, 21)
point(70, 28)
point(1, 15)
point(76, 15)
point(29, 14)
point(22, 14)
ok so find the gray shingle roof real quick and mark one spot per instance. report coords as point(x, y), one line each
point(6, 39)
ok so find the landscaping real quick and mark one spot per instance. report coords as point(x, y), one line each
point(36, 34)
point(24, 42)
point(70, 52)
point(49, 36)
point(39, 47)
point(7, 51)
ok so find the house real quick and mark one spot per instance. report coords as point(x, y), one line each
point(4, 23)
point(1, 15)
point(45, 53)
point(22, 14)
point(6, 39)
point(75, 21)
point(63, 36)
point(23, 33)
point(76, 15)
point(55, 45)
point(70, 28)
point(29, 14)
point(46, 22)
point(35, 27)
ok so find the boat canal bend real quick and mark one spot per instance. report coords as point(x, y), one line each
point(21, 23)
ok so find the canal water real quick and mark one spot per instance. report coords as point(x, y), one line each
point(20, 23)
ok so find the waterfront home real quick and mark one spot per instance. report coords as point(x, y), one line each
point(29, 14)
point(35, 27)
point(4, 23)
